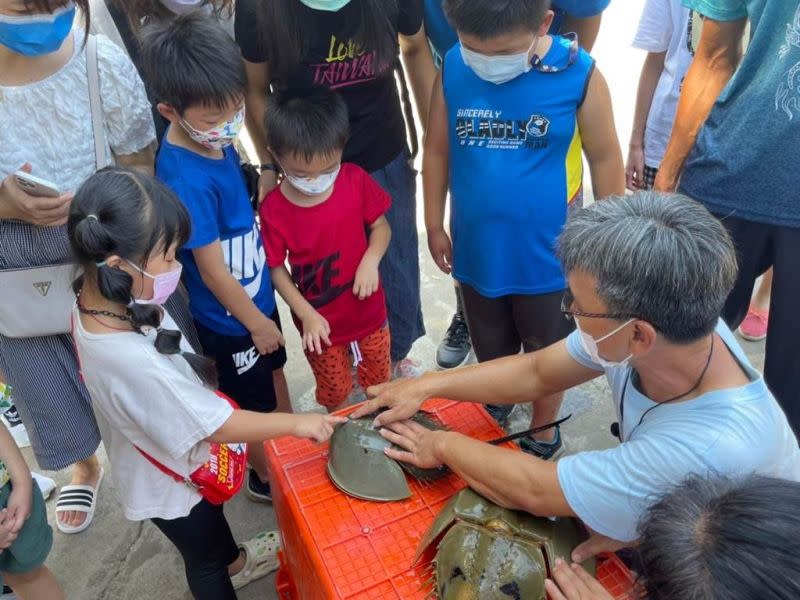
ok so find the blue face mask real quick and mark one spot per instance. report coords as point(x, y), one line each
point(329, 5)
point(36, 35)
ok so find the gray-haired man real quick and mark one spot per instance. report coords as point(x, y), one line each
point(648, 276)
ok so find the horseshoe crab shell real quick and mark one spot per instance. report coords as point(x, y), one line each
point(493, 553)
point(358, 466)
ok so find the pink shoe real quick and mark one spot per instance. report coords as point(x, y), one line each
point(754, 326)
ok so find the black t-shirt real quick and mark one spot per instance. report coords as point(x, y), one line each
point(377, 127)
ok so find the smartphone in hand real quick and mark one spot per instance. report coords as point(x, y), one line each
point(35, 186)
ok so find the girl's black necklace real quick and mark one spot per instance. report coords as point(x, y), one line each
point(101, 313)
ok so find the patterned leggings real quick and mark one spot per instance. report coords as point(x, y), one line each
point(332, 367)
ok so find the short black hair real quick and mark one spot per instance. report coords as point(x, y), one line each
point(192, 61)
point(489, 18)
point(307, 122)
point(720, 537)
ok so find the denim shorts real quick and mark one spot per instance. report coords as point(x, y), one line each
point(400, 266)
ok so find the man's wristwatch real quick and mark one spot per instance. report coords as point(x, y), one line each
point(270, 167)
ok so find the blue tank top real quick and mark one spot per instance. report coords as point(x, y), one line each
point(515, 166)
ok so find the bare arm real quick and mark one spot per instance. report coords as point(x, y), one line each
point(18, 507)
point(510, 380)
point(283, 284)
point(380, 234)
point(14, 461)
point(600, 142)
point(255, 100)
point(435, 168)
point(418, 61)
point(253, 428)
point(509, 478)
point(316, 329)
point(143, 160)
point(713, 66)
point(587, 29)
point(230, 293)
point(648, 81)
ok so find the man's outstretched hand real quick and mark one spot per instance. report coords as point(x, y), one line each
point(403, 398)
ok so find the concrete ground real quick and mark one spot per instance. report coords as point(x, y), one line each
point(119, 560)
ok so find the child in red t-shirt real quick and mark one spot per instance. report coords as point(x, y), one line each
point(328, 218)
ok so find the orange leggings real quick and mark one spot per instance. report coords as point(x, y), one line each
point(332, 367)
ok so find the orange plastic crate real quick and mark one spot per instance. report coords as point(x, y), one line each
point(335, 546)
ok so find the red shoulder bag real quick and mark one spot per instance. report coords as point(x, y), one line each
point(219, 479)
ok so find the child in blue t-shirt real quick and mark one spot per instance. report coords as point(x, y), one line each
point(196, 72)
point(511, 113)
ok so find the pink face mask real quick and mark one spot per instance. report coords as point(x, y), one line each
point(164, 284)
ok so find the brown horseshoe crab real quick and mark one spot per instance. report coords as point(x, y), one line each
point(358, 466)
point(493, 553)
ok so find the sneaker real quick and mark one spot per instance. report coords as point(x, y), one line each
point(45, 484)
point(455, 346)
point(499, 413)
point(754, 326)
point(12, 416)
point(406, 369)
point(543, 450)
point(257, 490)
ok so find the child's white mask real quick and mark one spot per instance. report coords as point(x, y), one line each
point(314, 186)
point(498, 69)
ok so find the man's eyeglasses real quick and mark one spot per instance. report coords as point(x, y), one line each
point(566, 309)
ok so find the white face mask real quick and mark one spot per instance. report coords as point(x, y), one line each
point(590, 346)
point(498, 69)
point(181, 7)
point(317, 185)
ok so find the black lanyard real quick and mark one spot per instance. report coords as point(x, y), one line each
point(616, 428)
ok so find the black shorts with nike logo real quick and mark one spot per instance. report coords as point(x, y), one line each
point(244, 374)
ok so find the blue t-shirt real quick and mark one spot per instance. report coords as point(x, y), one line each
point(734, 432)
point(214, 193)
point(442, 37)
point(515, 166)
point(744, 163)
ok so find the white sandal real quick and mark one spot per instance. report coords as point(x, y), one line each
point(78, 498)
point(261, 558)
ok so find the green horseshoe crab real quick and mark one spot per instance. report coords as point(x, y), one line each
point(491, 553)
point(358, 466)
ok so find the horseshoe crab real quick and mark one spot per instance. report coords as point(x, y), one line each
point(358, 466)
point(493, 553)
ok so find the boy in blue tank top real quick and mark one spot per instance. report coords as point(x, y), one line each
point(512, 112)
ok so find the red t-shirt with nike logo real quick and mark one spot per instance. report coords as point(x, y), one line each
point(325, 244)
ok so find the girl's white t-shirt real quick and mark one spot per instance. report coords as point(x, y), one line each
point(156, 402)
point(664, 27)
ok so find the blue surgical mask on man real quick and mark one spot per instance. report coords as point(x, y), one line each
point(38, 34)
point(498, 69)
